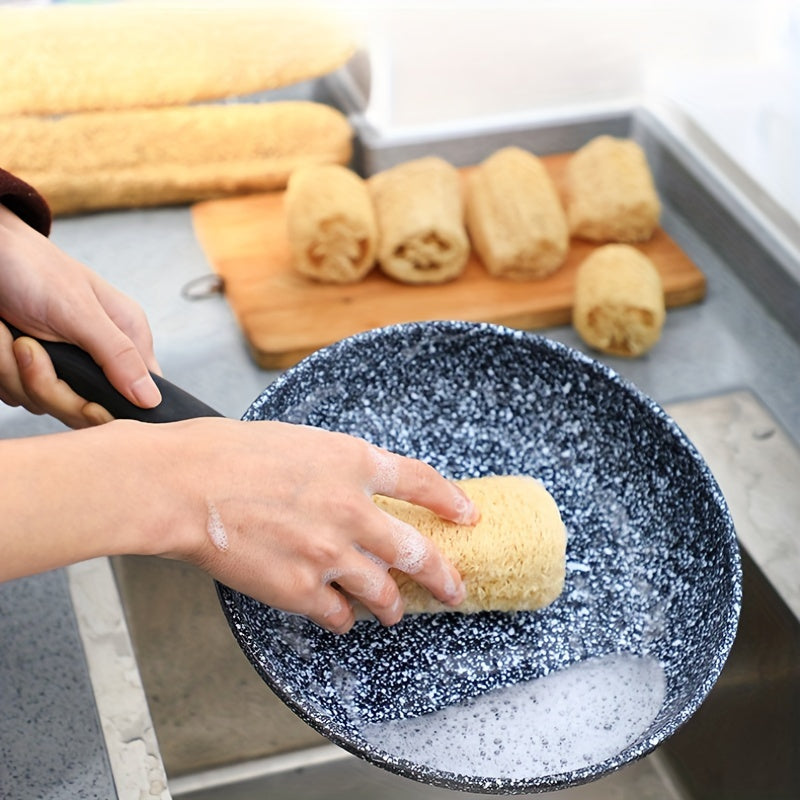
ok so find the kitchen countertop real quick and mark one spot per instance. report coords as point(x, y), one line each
point(51, 744)
point(51, 736)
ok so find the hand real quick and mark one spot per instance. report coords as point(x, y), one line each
point(294, 524)
point(28, 379)
point(51, 296)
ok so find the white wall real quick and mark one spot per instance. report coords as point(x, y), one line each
point(447, 60)
point(732, 65)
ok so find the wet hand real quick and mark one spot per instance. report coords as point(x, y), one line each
point(296, 526)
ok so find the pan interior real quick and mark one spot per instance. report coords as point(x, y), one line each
point(650, 604)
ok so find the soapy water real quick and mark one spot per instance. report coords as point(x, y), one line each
point(576, 717)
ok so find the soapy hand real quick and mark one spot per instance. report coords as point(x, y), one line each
point(50, 295)
point(294, 524)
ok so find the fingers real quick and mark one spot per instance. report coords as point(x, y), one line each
point(52, 296)
point(129, 318)
point(419, 483)
point(311, 540)
point(11, 391)
point(335, 613)
point(403, 547)
point(114, 331)
point(28, 379)
point(121, 362)
point(363, 578)
point(353, 576)
point(95, 414)
point(46, 393)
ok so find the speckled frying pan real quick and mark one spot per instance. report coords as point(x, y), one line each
point(652, 596)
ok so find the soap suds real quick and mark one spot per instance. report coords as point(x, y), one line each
point(371, 581)
point(387, 472)
point(371, 556)
point(565, 721)
point(216, 530)
point(331, 575)
point(411, 547)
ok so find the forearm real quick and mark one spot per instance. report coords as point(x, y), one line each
point(71, 496)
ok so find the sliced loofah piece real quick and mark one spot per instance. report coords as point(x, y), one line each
point(514, 216)
point(330, 224)
point(420, 213)
point(610, 194)
point(619, 301)
point(513, 559)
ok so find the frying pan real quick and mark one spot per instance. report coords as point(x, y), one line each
point(492, 702)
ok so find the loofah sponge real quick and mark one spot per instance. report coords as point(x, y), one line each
point(514, 216)
point(330, 224)
point(610, 194)
point(61, 59)
point(513, 559)
point(420, 214)
point(619, 301)
point(148, 157)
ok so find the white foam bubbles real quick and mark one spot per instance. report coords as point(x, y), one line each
point(411, 547)
point(574, 718)
point(387, 472)
point(365, 584)
point(216, 530)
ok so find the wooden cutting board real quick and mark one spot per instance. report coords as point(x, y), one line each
point(285, 316)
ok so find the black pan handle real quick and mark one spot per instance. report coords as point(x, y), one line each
point(79, 370)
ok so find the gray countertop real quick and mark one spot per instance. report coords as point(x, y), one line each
point(51, 743)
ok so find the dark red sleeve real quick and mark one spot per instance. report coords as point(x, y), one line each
point(25, 202)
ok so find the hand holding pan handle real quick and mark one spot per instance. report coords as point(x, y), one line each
point(80, 371)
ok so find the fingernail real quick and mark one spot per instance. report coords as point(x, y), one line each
point(468, 513)
point(396, 612)
point(453, 589)
point(458, 594)
point(24, 354)
point(146, 392)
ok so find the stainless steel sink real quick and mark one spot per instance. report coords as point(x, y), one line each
point(222, 733)
point(744, 742)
